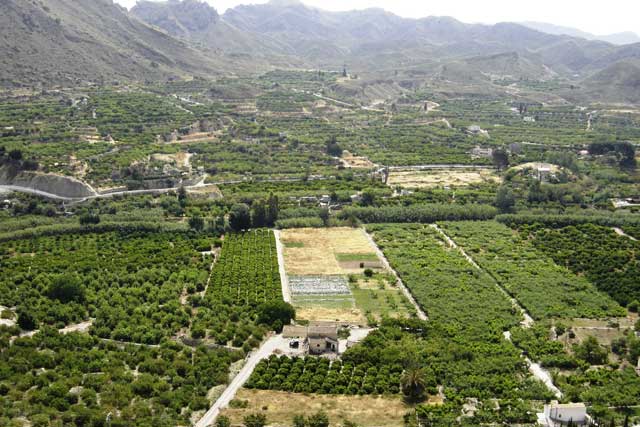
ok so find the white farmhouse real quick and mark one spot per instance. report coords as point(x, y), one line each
point(559, 415)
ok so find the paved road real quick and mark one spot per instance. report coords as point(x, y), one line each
point(200, 184)
point(267, 348)
point(17, 188)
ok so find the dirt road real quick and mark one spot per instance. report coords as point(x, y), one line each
point(527, 321)
point(267, 348)
point(284, 279)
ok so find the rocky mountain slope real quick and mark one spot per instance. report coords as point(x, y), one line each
point(74, 41)
point(68, 42)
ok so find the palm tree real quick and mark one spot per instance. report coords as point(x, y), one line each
point(414, 383)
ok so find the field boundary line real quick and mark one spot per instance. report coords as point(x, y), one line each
point(407, 293)
point(527, 321)
point(534, 368)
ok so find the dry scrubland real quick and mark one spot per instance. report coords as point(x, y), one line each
point(365, 411)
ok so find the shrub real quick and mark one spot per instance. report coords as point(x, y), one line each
point(318, 420)
point(255, 420)
point(276, 314)
point(26, 320)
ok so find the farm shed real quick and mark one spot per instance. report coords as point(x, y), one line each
point(322, 339)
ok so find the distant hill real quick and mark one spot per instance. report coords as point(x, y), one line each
point(73, 41)
point(619, 82)
point(622, 38)
point(199, 23)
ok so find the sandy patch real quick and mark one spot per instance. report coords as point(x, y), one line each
point(439, 178)
point(327, 314)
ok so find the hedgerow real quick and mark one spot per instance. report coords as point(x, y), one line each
point(420, 213)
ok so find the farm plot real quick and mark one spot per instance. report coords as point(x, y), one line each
point(326, 269)
point(445, 285)
point(368, 411)
point(319, 285)
point(324, 298)
point(460, 366)
point(80, 377)
point(545, 289)
point(442, 178)
point(609, 261)
point(130, 283)
point(332, 251)
point(245, 276)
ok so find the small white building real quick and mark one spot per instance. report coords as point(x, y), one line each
point(477, 130)
point(559, 415)
point(325, 199)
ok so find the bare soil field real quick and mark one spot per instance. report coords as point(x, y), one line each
point(210, 190)
point(181, 160)
point(311, 251)
point(605, 331)
point(320, 312)
point(356, 162)
point(441, 178)
point(280, 407)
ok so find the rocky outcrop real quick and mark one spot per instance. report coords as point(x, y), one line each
point(58, 185)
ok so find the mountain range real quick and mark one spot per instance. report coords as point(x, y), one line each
point(622, 38)
point(70, 41)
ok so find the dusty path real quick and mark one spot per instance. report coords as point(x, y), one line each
point(621, 232)
point(284, 279)
point(420, 313)
point(267, 348)
point(534, 368)
point(543, 375)
point(527, 321)
point(80, 327)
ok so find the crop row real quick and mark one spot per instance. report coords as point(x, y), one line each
point(244, 277)
point(545, 289)
point(445, 284)
point(608, 260)
point(312, 375)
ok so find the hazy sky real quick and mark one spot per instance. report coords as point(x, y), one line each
point(610, 16)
